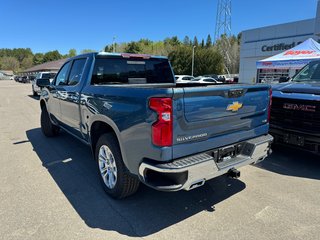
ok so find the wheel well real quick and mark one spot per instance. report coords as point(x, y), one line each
point(97, 129)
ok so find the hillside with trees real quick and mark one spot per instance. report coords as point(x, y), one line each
point(208, 56)
point(19, 59)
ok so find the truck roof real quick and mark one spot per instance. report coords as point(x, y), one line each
point(124, 55)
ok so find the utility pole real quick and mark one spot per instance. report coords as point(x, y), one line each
point(114, 44)
point(192, 60)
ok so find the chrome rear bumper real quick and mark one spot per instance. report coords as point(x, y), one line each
point(192, 171)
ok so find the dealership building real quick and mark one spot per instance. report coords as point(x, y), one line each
point(261, 43)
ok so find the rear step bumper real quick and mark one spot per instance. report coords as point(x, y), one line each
point(193, 171)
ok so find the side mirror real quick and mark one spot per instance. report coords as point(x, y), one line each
point(43, 82)
point(284, 79)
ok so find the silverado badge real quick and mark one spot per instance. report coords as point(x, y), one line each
point(234, 107)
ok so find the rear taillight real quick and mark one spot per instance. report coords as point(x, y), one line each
point(162, 128)
point(270, 103)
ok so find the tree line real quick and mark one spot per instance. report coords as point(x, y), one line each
point(209, 57)
point(19, 59)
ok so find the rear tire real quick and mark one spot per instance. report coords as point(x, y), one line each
point(115, 177)
point(48, 129)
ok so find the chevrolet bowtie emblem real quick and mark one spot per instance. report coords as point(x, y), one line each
point(234, 107)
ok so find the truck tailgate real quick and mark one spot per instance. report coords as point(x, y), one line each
point(214, 113)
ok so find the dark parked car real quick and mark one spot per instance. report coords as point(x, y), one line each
point(24, 79)
point(215, 76)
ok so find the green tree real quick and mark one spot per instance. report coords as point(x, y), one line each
point(87, 51)
point(208, 61)
point(18, 53)
point(5, 52)
point(187, 41)
point(230, 47)
point(21, 53)
point(180, 59)
point(174, 41)
point(202, 43)
point(145, 42)
point(195, 41)
point(239, 38)
point(9, 63)
point(108, 48)
point(38, 58)
point(209, 41)
point(27, 62)
point(52, 56)
point(133, 47)
point(72, 52)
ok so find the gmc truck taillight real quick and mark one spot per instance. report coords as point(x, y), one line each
point(270, 103)
point(162, 128)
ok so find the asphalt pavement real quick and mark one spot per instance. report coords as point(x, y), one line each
point(49, 189)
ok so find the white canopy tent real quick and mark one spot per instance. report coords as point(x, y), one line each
point(294, 58)
point(280, 65)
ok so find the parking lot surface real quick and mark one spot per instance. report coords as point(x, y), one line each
point(49, 189)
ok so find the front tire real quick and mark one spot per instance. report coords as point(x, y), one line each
point(48, 129)
point(115, 178)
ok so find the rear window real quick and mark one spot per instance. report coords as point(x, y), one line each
point(131, 71)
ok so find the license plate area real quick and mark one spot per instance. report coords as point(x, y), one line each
point(227, 153)
point(294, 139)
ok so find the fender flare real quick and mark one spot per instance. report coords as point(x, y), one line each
point(108, 121)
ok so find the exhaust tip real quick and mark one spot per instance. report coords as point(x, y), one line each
point(234, 173)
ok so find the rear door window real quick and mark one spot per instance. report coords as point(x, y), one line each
point(131, 71)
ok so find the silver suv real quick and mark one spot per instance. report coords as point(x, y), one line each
point(36, 90)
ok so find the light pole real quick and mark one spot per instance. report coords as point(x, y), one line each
point(114, 44)
point(193, 59)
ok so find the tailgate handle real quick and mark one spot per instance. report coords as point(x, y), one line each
point(235, 93)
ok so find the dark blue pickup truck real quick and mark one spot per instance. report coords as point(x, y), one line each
point(143, 127)
point(295, 114)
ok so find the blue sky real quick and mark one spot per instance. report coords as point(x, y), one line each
point(60, 25)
